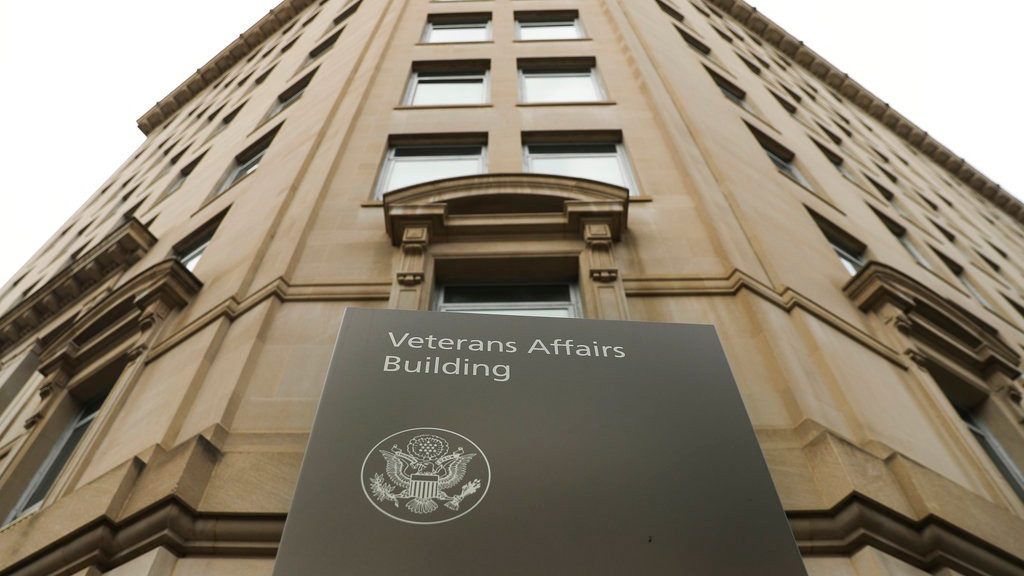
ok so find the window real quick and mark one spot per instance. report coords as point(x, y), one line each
point(734, 93)
point(546, 300)
point(693, 42)
point(347, 12)
point(961, 276)
point(62, 432)
point(977, 415)
point(604, 162)
point(781, 157)
point(786, 104)
point(848, 249)
point(182, 175)
point(247, 161)
point(415, 164)
point(1006, 466)
point(836, 160)
point(445, 28)
point(460, 84)
point(548, 81)
point(54, 464)
point(324, 45)
point(548, 26)
point(190, 259)
point(670, 10)
point(904, 239)
point(290, 95)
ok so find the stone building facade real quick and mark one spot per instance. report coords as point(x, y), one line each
point(162, 355)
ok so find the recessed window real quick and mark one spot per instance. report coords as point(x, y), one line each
point(750, 65)
point(1006, 466)
point(247, 161)
point(412, 164)
point(671, 11)
point(786, 104)
point(961, 276)
point(783, 159)
point(604, 162)
point(347, 12)
point(191, 251)
point(904, 239)
point(544, 81)
point(836, 160)
point(324, 45)
point(548, 26)
point(543, 300)
point(47, 474)
point(732, 92)
point(290, 95)
point(452, 28)
point(62, 436)
point(458, 85)
point(848, 249)
point(693, 42)
point(182, 175)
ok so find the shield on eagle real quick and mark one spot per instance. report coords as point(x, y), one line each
point(415, 476)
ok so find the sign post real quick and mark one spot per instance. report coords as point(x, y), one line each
point(458, 445)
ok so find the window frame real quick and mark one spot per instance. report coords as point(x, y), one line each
point(24, 506)
point(428, 29)
point(590, 71)
point(409, 98)
point(575, 22)
point(386, 171)
point(573, 306)
point(625, 166)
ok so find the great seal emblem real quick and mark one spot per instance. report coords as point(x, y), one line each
point(425, 475)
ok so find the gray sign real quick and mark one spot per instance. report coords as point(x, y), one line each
point(457, 445)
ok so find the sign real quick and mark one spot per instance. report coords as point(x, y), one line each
point(462, 444)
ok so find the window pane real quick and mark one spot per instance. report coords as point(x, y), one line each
point(522, 293)
point(191, 259)
point(409, 171)
point(535, 312)
point(458, 33)
point(548, 31)
point(600, 168)
point(559, 87)
point(433, 91)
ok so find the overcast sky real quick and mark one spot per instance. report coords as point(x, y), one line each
point(77, 75)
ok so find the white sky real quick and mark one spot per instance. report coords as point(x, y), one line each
point(76, 76)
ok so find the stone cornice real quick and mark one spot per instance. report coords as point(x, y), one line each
point(513, 203)
point(772, 33)
point(221, 63)
point(929, 315)
point(119, 250)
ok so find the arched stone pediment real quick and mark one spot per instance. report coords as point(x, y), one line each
point(933, 319)
point(505, 204)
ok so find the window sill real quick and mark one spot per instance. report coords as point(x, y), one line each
point(811, 191)
point(518, 41)
point(640, 198)
point(442, 106)
point(472, 43)
point(576, 103)
point(372, 204)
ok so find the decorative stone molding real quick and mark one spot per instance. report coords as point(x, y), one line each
point(137, 304)
point(505, 204)
point(933, 320)
point(122, 248)
point(772, 33)
point(152, 294)
point(510, 208)
point(221, 63)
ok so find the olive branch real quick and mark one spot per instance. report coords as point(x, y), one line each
point(383, 491)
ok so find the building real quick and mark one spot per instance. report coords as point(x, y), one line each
point(162, 355)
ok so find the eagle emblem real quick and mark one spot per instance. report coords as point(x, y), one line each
point(424, 481)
